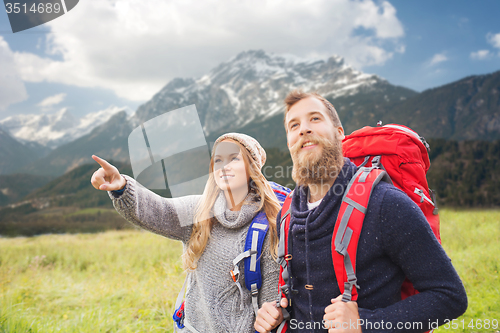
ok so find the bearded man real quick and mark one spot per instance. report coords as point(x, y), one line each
point(395, 242)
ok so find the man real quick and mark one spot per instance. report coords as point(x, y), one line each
point(395, 242)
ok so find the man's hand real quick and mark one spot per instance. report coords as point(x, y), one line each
point(107, 177)
point(269, 316)
point(342, 317)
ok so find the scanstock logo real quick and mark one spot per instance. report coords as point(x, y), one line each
point(170, 151)
point(28, 14)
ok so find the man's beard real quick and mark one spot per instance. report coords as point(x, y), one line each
point(313, 168)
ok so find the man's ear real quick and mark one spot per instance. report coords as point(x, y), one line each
point(340, 131)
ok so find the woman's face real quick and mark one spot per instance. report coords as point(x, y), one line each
point(229, 167)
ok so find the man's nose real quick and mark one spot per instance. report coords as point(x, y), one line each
point(305, 129)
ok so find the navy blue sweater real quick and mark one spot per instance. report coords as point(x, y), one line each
point(396, 241)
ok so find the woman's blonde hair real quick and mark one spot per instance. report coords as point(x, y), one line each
point(204, 218)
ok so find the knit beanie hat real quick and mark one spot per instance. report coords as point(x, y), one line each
point(254, 148)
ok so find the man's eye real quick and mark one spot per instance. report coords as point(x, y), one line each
point(315, 118)
point(293, 125)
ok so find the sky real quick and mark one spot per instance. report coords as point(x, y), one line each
point(107, 53)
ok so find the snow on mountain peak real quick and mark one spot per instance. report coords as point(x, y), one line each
point(252, 85)
point(55, 129)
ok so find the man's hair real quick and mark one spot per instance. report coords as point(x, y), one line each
point(298, 95)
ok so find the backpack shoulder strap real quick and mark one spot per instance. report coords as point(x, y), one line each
point(252, 253)
point(283, 257)
point(254, 242)
point(348, 228)
point(251, 256)
point(178, 315)
point(281, 192)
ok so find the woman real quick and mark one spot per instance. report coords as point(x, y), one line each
point(213, 228)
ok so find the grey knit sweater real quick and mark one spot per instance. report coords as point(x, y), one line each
point(213, 300)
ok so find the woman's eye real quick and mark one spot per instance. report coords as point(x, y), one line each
point(218, 160)
point(235, 159)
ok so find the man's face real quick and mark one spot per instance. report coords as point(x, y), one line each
point(314, 143)
point(305, 120)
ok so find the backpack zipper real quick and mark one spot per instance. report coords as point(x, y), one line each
point(423, 196)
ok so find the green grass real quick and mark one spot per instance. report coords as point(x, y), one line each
point(127, 281)
point(472, 240)
point(89, 211)
point(121, 281)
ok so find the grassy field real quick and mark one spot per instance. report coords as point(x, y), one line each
point(117, 281)
point(127, 281)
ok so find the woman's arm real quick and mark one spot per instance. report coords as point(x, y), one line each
point(172, 218)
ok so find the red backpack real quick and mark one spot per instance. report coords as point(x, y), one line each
point(391, 153)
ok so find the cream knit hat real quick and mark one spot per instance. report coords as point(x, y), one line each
point(254, 148)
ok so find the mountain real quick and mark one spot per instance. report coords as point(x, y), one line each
point(108, 141)
point(53, 130)
point(67, 204)
point(468, 109)
point(74, 188)
point(245, 94)
point(362, 108)
point(465, 173)
point(244, 91)
point(14, 155)
point(250, 88)
point(14, 187)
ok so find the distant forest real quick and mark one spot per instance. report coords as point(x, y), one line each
point(466, 173)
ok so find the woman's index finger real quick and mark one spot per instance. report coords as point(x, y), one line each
point(102, 162)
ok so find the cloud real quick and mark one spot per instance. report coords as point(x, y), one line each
point(438, 58)
point(12, 88)
point(494, 40)
point(50, 101)
point(135, 47)
point(480, 55)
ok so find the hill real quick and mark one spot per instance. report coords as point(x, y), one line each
point(468, 109)
point(465, 173)
point(15, 187)
point(66, 204)
point(14, 154)
point(108, 141)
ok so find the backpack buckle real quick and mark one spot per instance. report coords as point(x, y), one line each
point(284, 289)
point(178, 316)
point(376, 162)
point(234, 276)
